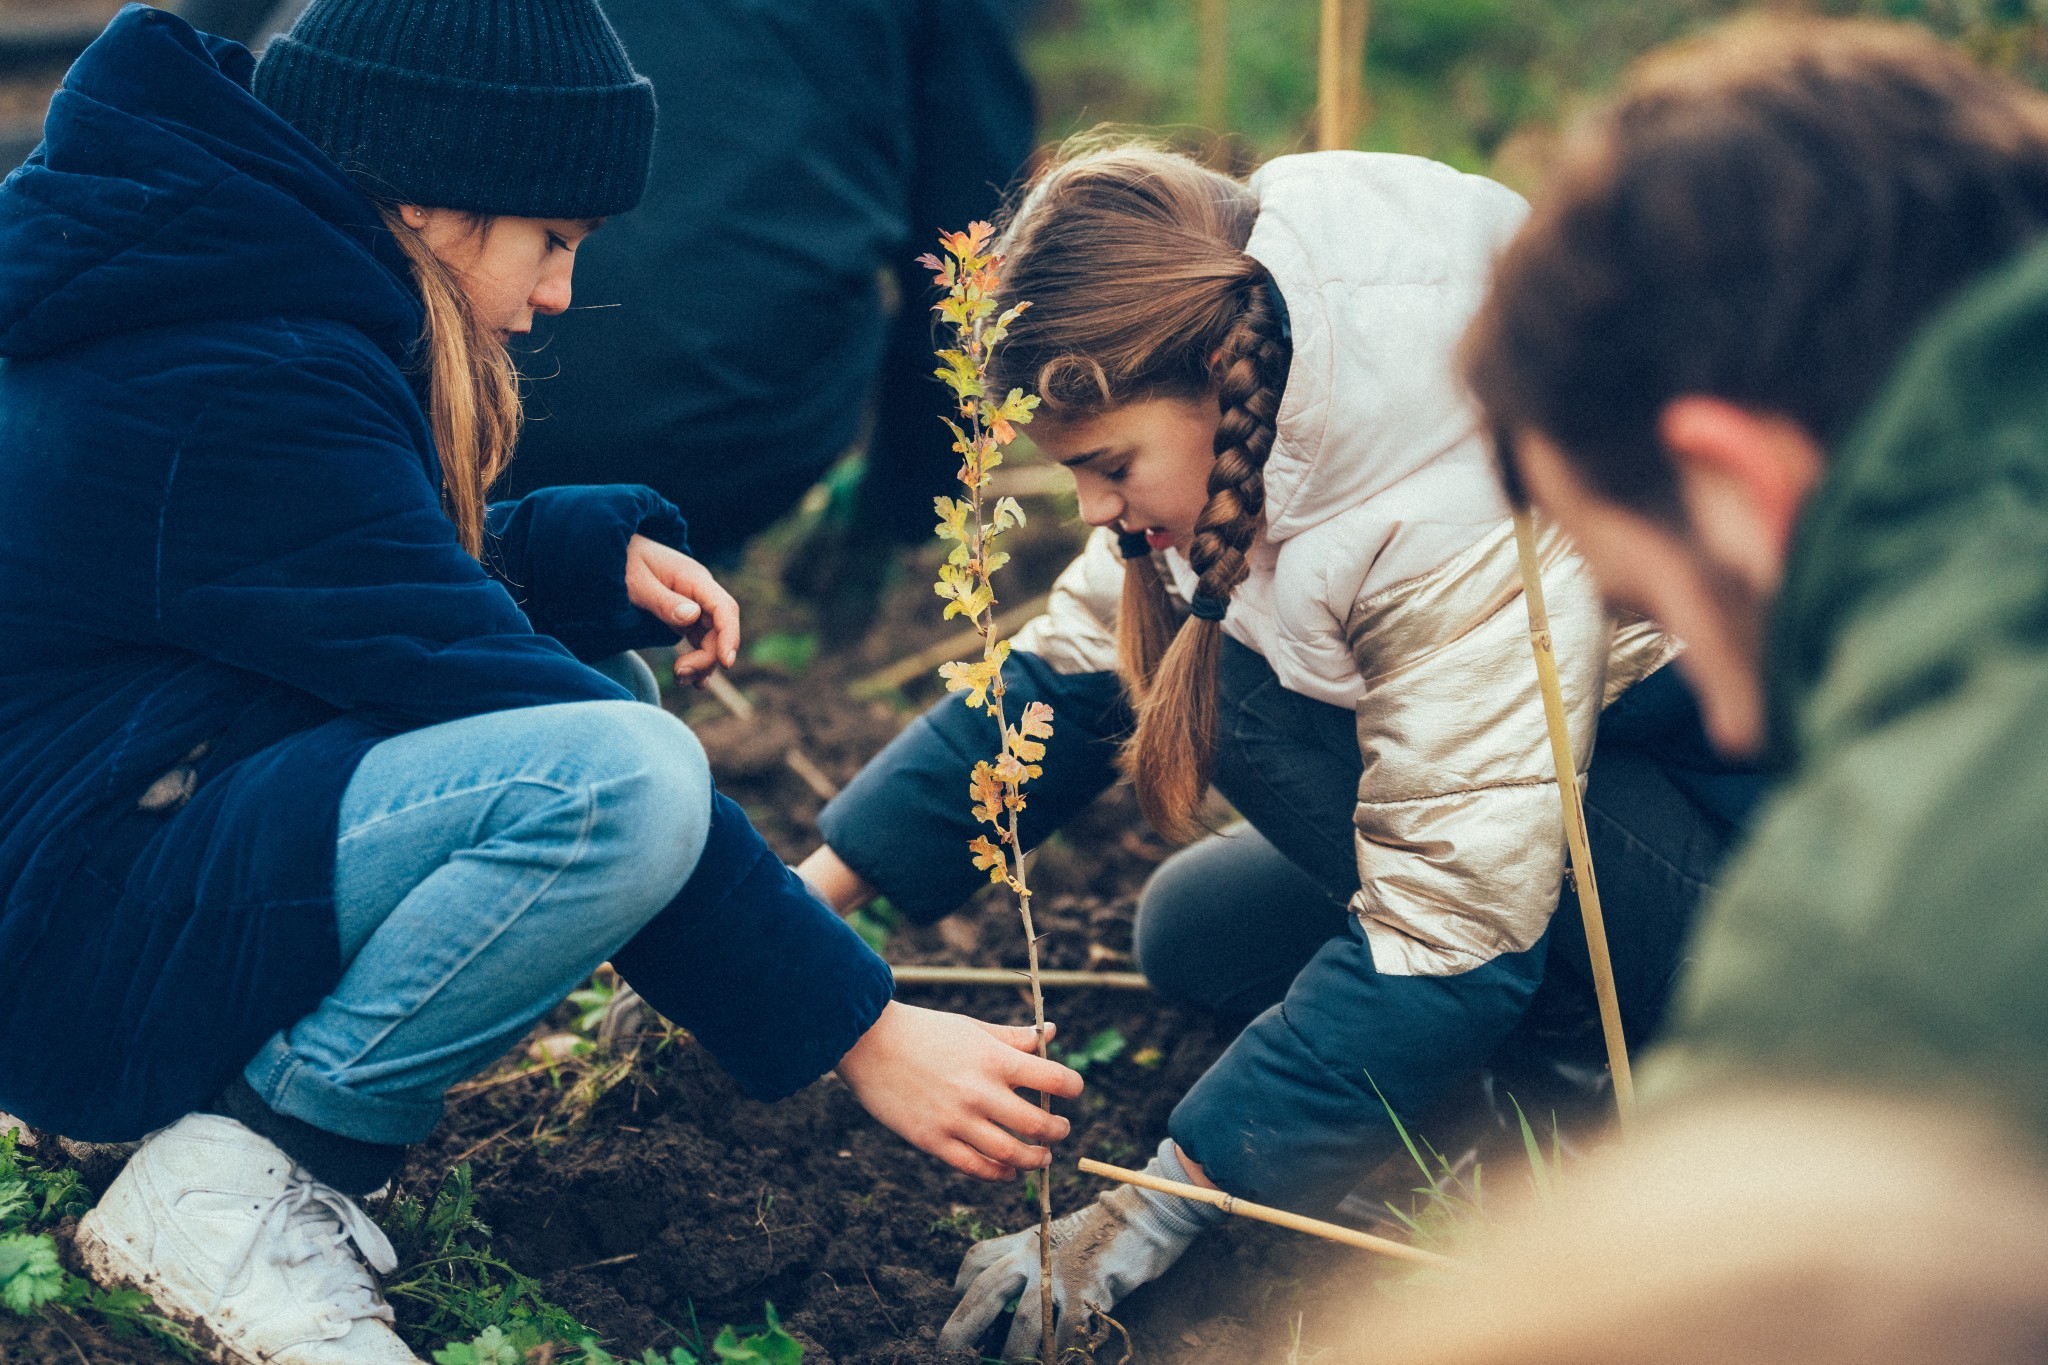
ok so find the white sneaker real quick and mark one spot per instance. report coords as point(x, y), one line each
point(219, 1227)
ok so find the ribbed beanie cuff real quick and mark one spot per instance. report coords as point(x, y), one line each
point(526, 107)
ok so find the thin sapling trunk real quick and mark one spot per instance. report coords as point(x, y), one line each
point(971, 274)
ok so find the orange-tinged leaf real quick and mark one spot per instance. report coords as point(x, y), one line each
point(1013, 772)
point(1036, 722)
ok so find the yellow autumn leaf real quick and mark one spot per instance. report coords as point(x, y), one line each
point(1029, 750)
point(988, 857)
point(973, 679)
point(987, 793)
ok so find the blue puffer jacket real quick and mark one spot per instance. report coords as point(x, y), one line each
point(221, 544)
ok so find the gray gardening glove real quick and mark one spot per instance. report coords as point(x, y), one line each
point(1100, 1253)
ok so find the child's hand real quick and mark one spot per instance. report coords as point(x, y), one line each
point(947, 1085)
point(671, 585)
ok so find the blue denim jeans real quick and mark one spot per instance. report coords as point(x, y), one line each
point(483, 869)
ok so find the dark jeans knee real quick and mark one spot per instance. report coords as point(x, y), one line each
point(1227, 924)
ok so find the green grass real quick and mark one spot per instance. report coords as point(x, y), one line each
point(1450, 1203)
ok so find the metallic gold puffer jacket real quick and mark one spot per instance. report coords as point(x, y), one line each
point(1460, 836)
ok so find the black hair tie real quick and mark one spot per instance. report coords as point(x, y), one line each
point(1280, 310)
point(1133, 544)
point(1207, 608)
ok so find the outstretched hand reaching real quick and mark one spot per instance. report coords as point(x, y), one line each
point(947, 1085)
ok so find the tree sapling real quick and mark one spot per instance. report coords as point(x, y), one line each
point(971, 275)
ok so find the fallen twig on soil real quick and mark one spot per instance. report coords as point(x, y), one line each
point(1574, 819)
point(1009, 976)
point(732, 699)
point(1315, 1227)
point(596, 1265)
point(886, 680)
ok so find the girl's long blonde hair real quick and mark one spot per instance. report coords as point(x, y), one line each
point(1133, 260)
point(472, 389)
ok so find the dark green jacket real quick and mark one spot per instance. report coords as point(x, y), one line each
point(1888, 922)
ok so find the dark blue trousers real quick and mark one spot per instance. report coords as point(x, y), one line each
point(1230, 922)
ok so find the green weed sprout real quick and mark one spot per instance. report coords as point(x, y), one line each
point(457, 1286)
point(971, 275)
point(33, 1197)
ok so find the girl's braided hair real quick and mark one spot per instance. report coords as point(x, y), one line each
point(1133, 260)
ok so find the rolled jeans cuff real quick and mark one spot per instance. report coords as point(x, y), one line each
point(285, 1083)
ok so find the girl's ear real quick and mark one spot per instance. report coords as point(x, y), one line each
point(413, 216)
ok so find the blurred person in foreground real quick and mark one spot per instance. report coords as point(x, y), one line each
point(1773, 351)
point(1789, 1226)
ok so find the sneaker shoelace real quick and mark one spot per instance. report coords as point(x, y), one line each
point(311, 1224)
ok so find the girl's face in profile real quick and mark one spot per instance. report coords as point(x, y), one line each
point(509, 268)
point(1143, 466)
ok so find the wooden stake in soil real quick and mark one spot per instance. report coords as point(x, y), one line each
point(1279, 1218)
point(1340, 72)
point(1212, 100)
point(970, 275)
point(1574, 819)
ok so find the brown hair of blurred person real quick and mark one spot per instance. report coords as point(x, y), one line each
point(1766, 215)
point(1776, 1229)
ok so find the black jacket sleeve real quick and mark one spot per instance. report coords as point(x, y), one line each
point(561, 553)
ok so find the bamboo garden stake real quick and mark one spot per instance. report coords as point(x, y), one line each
point(1340, 72)
point(1280, 1218)
point(1212, 85)
point(970, 275)
point(1574, 819)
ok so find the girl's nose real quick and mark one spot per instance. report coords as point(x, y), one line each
point(1099, 506)
point(551, 295)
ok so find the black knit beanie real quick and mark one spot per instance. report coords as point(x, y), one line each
point(521, 107)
